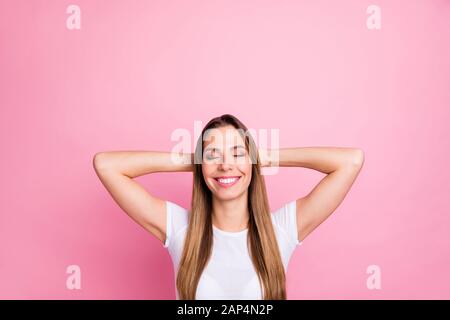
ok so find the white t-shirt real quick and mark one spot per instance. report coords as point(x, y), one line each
point(229, 273)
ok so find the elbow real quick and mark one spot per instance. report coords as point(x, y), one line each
point(99, 161)
point(357, 158)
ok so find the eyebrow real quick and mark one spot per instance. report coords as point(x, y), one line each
point(233, 147)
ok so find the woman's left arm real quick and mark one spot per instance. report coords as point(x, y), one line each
point(341, 166)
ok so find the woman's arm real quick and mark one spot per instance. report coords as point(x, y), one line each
point(341, 166)
point(116, 170)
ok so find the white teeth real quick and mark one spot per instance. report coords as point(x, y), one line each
point(227, 181)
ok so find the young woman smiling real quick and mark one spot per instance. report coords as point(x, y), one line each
point(229, 245)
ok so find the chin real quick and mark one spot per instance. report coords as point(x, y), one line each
point(223, 196)
point(228, 194)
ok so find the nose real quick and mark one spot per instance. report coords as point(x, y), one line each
point(226, 163)
point(225, 166)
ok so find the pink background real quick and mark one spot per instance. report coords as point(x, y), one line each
point(138, 70)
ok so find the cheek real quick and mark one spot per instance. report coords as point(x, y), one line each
point(246, 169)
point(207, 170)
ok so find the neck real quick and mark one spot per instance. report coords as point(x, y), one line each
point(230, 215)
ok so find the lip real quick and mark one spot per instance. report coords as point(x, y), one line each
point(227, 185)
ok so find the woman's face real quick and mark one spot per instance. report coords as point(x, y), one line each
point(226, 163)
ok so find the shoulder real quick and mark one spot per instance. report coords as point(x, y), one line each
point(176, 208)
point(177, 217)
point(285, 218)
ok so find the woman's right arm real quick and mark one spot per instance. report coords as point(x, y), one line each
point(116, 170)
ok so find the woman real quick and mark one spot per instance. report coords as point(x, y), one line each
point(229, 245)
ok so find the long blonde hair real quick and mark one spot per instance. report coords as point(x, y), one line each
point(261, 240)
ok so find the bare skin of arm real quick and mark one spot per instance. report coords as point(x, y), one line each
point(341, 166)
point(116, 170)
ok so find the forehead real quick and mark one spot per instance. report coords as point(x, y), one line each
point(223, 136)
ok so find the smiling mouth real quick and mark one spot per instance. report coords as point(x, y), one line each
point(227, 181)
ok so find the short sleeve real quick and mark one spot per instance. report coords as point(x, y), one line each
point(286, 219)
point(176, 219)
